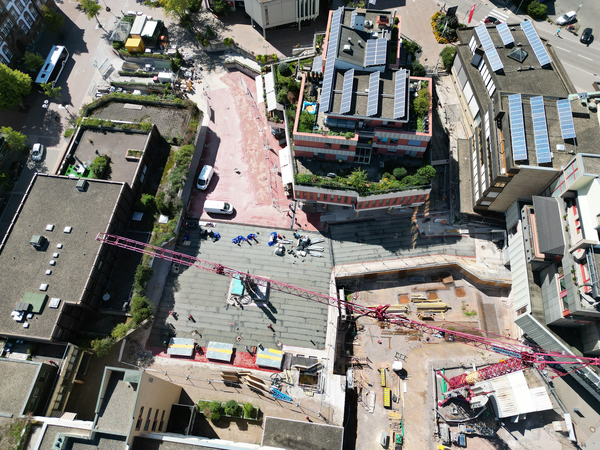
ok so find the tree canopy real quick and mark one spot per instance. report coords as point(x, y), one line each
point(52, 92)
point(53, 19)
point(177, 8)
point(33, 61)
point(91, 9)
point(14, 85)
point(14, 139)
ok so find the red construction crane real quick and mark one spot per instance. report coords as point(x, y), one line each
point(520, 356)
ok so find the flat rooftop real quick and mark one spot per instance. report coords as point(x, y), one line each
point(17, 378)
point(547, 80)
point(586, 129)
point(113, 144)
point(53, 200)
point(363, 15)
point(142, 443)
point(295, 435)
point(297, 321)
point(52, 432)
point(116, 410)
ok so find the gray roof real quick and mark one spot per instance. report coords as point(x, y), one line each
point(546, 81)
point(357, 51)
point(53, 430)
point(548, 224)
point(392, 239)
point(142, 443)
point(100, 442)
point(385, 108)
point(586, 128)
point(295, 435)
point(297, 321)
point(116, 409)
point(17, 378)
point(53, 200)
point(113, 144)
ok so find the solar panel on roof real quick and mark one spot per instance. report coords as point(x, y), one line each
point(540, 130)
point(489, 47)
point(334, 35)
point(370, 52)
point(505, 34)
point(347, 91)
point(536, 43)
point(373, 100)
point(353, 19)
point(517, 128)
point(400, 94)
point(565, 115)
point(380, 50)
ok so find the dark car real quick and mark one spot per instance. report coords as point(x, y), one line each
point(586, 36)
point(492, 20)
point(15, 170)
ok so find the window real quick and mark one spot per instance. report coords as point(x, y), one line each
point(147, 425)
point(500, 184)
point(393, 141)
point(344, 147)
point(521, 311)
point(28, 18)
point(8, 54)
point(138, 424)
point(19, 6)
point(44, 377)
point(327, 145)
point(24, 26)
point(155, 422)
point(384, 140)
point(162, 421)
point(485, 203)
point(14, 13)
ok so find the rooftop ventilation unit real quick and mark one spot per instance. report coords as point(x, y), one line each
point(349, 38)
point(55, 255)
point(59, 246)
point(82, 185)
point(49, 227)
point(52, 262)
point(48, 272)
point(560, 147)
point(68, 230)
point(44, 287)
point(360, 44)
point(54, 303)
point(347, 48)
point(38, 241)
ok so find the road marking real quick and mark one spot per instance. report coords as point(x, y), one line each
point(564, 49)
point(499, 15)
point(584, 57)
point(578, 68)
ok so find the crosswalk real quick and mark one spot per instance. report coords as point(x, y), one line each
point(501, 15)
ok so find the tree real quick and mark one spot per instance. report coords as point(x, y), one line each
point(537, 10)
point(101, 347)
point(358, 178)
point(91, 9)
point(14, 85)
point(14, 139)
point(417, 69)
point(51, 92)
point(422, 103)
point(221, 7)
point(284, 69)
point(447, 55)
point(399, 172)
point(306, 122)
point(177, 8)
point(427, 172)
point(33, 61)
point(99, 166)
point(53, 18)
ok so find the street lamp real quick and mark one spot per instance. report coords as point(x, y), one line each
point(95, 64)
point(579, 7)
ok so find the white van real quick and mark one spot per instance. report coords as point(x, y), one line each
point(217, 207)
point(205, 176)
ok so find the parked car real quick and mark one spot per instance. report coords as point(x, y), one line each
point(37, 152)
point(586, 36)
point(14, 172)
point(567, 18)
point(205, 176)
point(492, 20)
point(217, 207)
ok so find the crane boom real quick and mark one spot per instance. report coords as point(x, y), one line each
point(519, 355)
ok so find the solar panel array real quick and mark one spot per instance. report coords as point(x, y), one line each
point(353, 19)
point(505, 34)
point(540, 130)
point(400, 94)
point(334, 36)
point(535, 42)
point(567, 127)
point(375, 52)
point(517, 127)
point(489, 47)
point(373, 101)
point(347, 91)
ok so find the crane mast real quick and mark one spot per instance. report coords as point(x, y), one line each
point(519, 355)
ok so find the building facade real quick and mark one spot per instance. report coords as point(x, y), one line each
point(21, 23)
point(275, 13)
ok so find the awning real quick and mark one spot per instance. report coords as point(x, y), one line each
point(220, 351)
point(269, 357)
point(181, 347)
point(287, 173)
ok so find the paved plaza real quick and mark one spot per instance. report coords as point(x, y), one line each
point(295, 321)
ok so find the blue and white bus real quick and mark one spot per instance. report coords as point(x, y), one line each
point(54, 65)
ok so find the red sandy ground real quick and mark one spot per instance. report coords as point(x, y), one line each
point(234, 142)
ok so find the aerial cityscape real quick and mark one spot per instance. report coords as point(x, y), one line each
point(299, 224)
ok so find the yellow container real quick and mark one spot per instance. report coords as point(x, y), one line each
point(387, 400)
point(382, 377)
point(135, 45)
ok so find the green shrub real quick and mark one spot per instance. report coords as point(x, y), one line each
point(177, 177)
point(228, 42)
point(427, 171)
point(537, 11)
point(284, 69)
point(306, 122)
point(143, 273)
point(417, 69)
point(282, 96)
point(293, 85)
point(141, 309)
point(221, 7)
point(118, 45)
point(399, 172)
point(422, 103)
point(101, 347)
point(120, 331)
point(249, 411)
point(201, 405)
point(146, 204)
point(69, 132)
point(411, 47)
point(447, 55)
point(99, 166)
point(232, 408)
point(183, 157)
point(215, 410)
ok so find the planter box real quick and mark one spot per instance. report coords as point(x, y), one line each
point(256, 412)
point(133, 155)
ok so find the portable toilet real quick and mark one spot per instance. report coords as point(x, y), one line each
point(134, 45)
point(138, 27)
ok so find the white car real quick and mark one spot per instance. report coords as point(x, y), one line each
point(37, 152)
point(566, 18)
